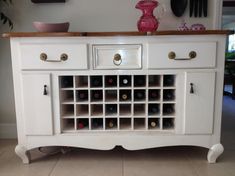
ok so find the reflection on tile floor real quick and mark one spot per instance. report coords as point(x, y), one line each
point(168, 161)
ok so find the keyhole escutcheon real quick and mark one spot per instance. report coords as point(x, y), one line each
point(45, 90)
point(191, 88)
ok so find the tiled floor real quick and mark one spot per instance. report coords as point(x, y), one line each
point(169, 161)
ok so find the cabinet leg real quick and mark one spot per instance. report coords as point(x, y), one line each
point(22, 152)
point(214, 152)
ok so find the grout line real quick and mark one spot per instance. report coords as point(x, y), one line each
point(53, 167)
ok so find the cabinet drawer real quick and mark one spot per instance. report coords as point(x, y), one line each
point(177, 55)
point(117, 56)
point(32, 56)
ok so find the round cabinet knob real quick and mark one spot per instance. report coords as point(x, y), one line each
point(192, 55)
point(117, 59)
point(63, 57)
point(171, 55)
point(43, 56)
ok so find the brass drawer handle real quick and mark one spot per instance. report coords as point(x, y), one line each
point(171, 55)
point(117, 59)
point(43, 56)
point(192, 55)
point(63, 57)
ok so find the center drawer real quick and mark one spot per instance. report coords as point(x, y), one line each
point(53, 56)
point(182, 55)
point(117, 56)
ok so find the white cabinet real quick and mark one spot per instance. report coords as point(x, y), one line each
point(199, 103)
point(136, 92)
point(37, 104)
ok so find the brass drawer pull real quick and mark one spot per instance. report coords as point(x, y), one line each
point(192, 55)
point(171, 55)
point(117, 59)
point(43, 56)
point(63, 57)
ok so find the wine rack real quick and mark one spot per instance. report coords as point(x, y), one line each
point(118, 102)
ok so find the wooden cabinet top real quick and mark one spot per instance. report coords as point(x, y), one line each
point(126, 33)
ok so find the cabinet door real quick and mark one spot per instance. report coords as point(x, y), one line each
point(199, 104)
point(37, 105)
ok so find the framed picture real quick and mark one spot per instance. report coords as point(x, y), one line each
point(47, 1)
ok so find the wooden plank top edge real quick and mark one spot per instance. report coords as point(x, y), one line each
point(106, 34)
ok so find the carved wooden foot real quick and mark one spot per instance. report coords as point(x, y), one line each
point(214, 152)
point(22, 152)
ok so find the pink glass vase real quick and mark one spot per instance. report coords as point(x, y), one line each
point(147, 22)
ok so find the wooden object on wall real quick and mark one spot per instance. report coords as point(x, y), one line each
point(47, 1)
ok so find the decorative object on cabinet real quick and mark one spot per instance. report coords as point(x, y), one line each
point(148, 22)
point(47, 1)
point(143, 103)
point(51, 27)
point(198, 7)
point(183, 26)
point(198, 27)
point(178, 7)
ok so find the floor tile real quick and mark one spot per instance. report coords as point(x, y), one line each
point(85, 162)
point(11, 164)
point(225, 163)
point(228, 159)
point(227, 139)
point(5, 144)
point(170, 161)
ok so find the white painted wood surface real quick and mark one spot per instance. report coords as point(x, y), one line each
point(131, 56)
point(37, 107)
point(35, 129)
point(214, 152)
point(199, 104)
point(30, 54)
point(158, 55)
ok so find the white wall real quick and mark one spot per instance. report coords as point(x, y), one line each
point(84, 15)
point(101, 15)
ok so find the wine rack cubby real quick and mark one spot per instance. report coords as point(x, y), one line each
point(118, 102)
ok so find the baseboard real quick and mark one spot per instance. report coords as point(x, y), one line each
point(8, 131)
